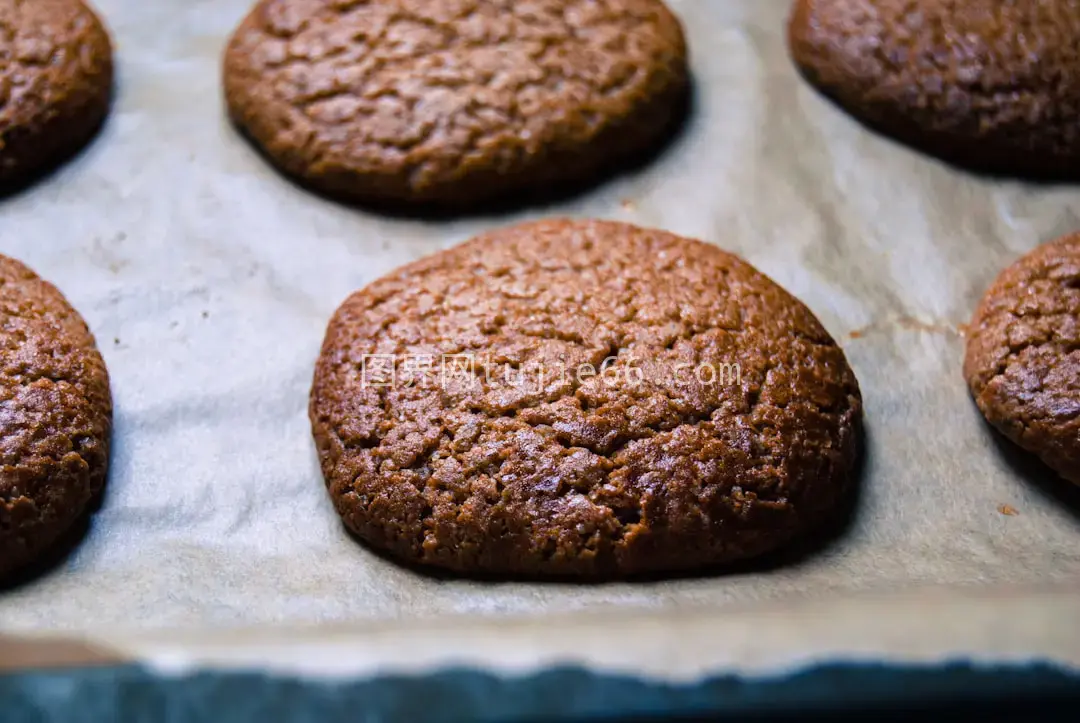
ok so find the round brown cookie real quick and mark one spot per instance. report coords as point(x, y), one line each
point(55, 83)
point(986, 84)
point(1023, 354)
point(454, 102)
point(55, 420)
point(588, 399)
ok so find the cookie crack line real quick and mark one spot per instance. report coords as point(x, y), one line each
point(1015, 351)
point(1022, 314)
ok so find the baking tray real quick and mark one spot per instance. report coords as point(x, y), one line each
point(208, 280)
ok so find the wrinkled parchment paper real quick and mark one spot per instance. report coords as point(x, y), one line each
point(208, 280)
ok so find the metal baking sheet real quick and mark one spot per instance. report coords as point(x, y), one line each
point(208, 280)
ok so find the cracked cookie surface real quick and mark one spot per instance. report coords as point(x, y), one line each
point(55, 83)
point(539, 402)
point(454, 102)
point(993, 85)
point(55, 416)
point(1023, 354)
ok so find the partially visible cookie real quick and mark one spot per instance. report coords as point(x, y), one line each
point(55, 416)
point(582, 398)
point(55, 83)
point(454, 102)
point(1023, 354)
point(986, 84)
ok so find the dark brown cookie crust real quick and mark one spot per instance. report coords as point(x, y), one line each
point(454, 102)
point(55, 425)
point(55, 83)
point(1023, 354)
point(990, 85)
point(507, 470)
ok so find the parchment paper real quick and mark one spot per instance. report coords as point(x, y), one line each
point(208, 280)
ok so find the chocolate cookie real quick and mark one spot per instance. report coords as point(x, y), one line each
point(588, 399)
point(987, 84)
point(56, 418)
point(454, 102)
point(1023, 354)
point(55, 83)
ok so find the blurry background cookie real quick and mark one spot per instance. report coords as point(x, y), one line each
point(992, 85)
point(582, 398)
point(1023, 354)
point(55, 83)
point(454, 102)
point(56, 420)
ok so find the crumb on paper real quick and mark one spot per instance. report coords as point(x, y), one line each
point(1008, 510)
point(628, 205)
point(857, 334)
point(116, 340)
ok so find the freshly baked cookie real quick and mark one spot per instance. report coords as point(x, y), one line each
point(987, 84)
point(55, 83)
point(56, 416)
point(588, 399)
point(1023, 354)
point(454, 102)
